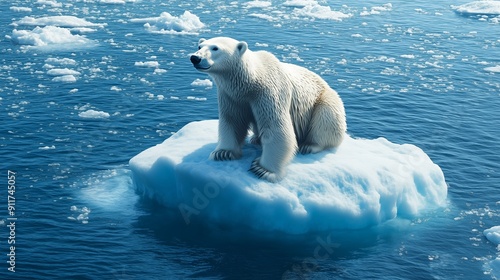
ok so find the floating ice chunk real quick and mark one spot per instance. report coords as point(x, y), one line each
point(493, 234)
point(61, 21)
point(152, 64)
point(186, 23)
point(315, 10)
point(92, 114)
point(51, 3)
point(363, 183)
point(257, 4)
point(49, 36)
point(494, 69)
point(118, 1)
point(478, 8)
point(299, 3)
point(202, 83)
point(47, 147)
point(20, 9)
point(376, 10)
point(264, 16)
point(62, 72)
point(60, 61)
point(409, 56)
point(65, 79)
point(83, 214)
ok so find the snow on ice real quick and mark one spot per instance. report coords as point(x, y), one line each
point(363, 183)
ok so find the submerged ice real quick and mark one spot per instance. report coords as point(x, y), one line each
point(361, 184)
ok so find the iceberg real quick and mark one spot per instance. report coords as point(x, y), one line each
point(360, 184)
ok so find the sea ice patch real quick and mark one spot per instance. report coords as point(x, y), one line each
point(361, 184)
point(493, 235)
point(493, 69)
point(60, 21)
point(50, 37)
point(93, 114)
point(166, 23)
point(202, 83)
point(478, 8)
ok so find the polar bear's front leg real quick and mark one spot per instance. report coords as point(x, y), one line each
point(278, 146)
point(233, 128)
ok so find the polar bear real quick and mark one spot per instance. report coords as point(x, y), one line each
point(289, 108)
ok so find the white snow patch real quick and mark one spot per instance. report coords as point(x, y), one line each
point(363, 183)
point(166, 23)
point(92, 114)
point(202, 83)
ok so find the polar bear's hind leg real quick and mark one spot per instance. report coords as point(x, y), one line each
point(327, 126)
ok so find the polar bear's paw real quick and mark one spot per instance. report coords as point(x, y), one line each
point(309, 149)
point(221, 155)
point(263, 173)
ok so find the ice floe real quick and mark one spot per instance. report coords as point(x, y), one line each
point(187, 23)
point(479, 8)
point(363, 183)
point(50, 37)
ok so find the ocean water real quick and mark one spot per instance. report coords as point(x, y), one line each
point(87, 85)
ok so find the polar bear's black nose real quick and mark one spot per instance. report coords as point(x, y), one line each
point(195, 59)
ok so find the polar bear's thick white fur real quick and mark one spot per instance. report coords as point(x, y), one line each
point(289, 108)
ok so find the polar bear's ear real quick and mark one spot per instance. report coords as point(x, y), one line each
point(201, 40)
point(242, 47)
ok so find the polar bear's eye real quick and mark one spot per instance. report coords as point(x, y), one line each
point(215, 49)
point(199, 47)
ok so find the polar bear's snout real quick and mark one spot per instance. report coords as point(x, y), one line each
point(195, 59)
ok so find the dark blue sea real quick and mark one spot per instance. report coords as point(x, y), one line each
point(87, 85)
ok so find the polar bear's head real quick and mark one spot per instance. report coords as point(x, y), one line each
point(218, 54)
